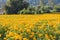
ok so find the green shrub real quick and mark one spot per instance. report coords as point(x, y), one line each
point(13, 6)
point(39, 10)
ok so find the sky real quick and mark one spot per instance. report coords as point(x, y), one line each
point(30, 1)
point(57, 1)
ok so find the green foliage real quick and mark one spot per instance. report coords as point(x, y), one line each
point(3, 30)
point(23, 7)
point(13, 6)
point(39, 10)
point(31, 10)
point(57, 8)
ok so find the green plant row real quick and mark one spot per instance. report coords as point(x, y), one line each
point(40, 31)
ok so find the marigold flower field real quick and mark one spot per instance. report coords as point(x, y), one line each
point(30, 27)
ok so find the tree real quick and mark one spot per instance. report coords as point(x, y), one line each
point(13, 6)
point(42, 3)
point(51, 3)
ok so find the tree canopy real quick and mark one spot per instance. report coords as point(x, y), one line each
point(13, 6)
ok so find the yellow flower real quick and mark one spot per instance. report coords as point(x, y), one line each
point(0, 35)
point(21, 34)
point(40, 35)
point(25, 39)
point(34, 38)
point(5, 39)
point(52, 37)
point(55, 26)
point(10, 34)
point(48, 39)
point(21, 29)
point(7, 36)
point(28, 30)
point(15, 27)
point(20, 38)
point(16, 36)
point(32, 34)
point(50, 23)
point(46, 36)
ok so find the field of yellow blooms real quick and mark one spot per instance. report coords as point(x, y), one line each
point(30, 27)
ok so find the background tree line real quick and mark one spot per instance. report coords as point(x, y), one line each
point(23, 7)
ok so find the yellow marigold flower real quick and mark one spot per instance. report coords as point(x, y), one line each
point(34, 38)
point(11, 27)
point(55, 26)
point(32, 33)
point(51, 36)
point(21, 29)
point(49, 39)
point(40, 35)
point(0, 35)
point(11, 34)
point(54, 36)
point(28, 30)
point(44, 29)
point(30, 36)
point(21, 34)
point(31, 26)
point(5, 39)
point(16, 36)
point(46, 35)
point(4, 24)
point(27, 25)
point(25, 39)
point(7, 35)
point(16, 28)
point(39, 27)
point(50, 23)
point(20, 38)
point(58, 32)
